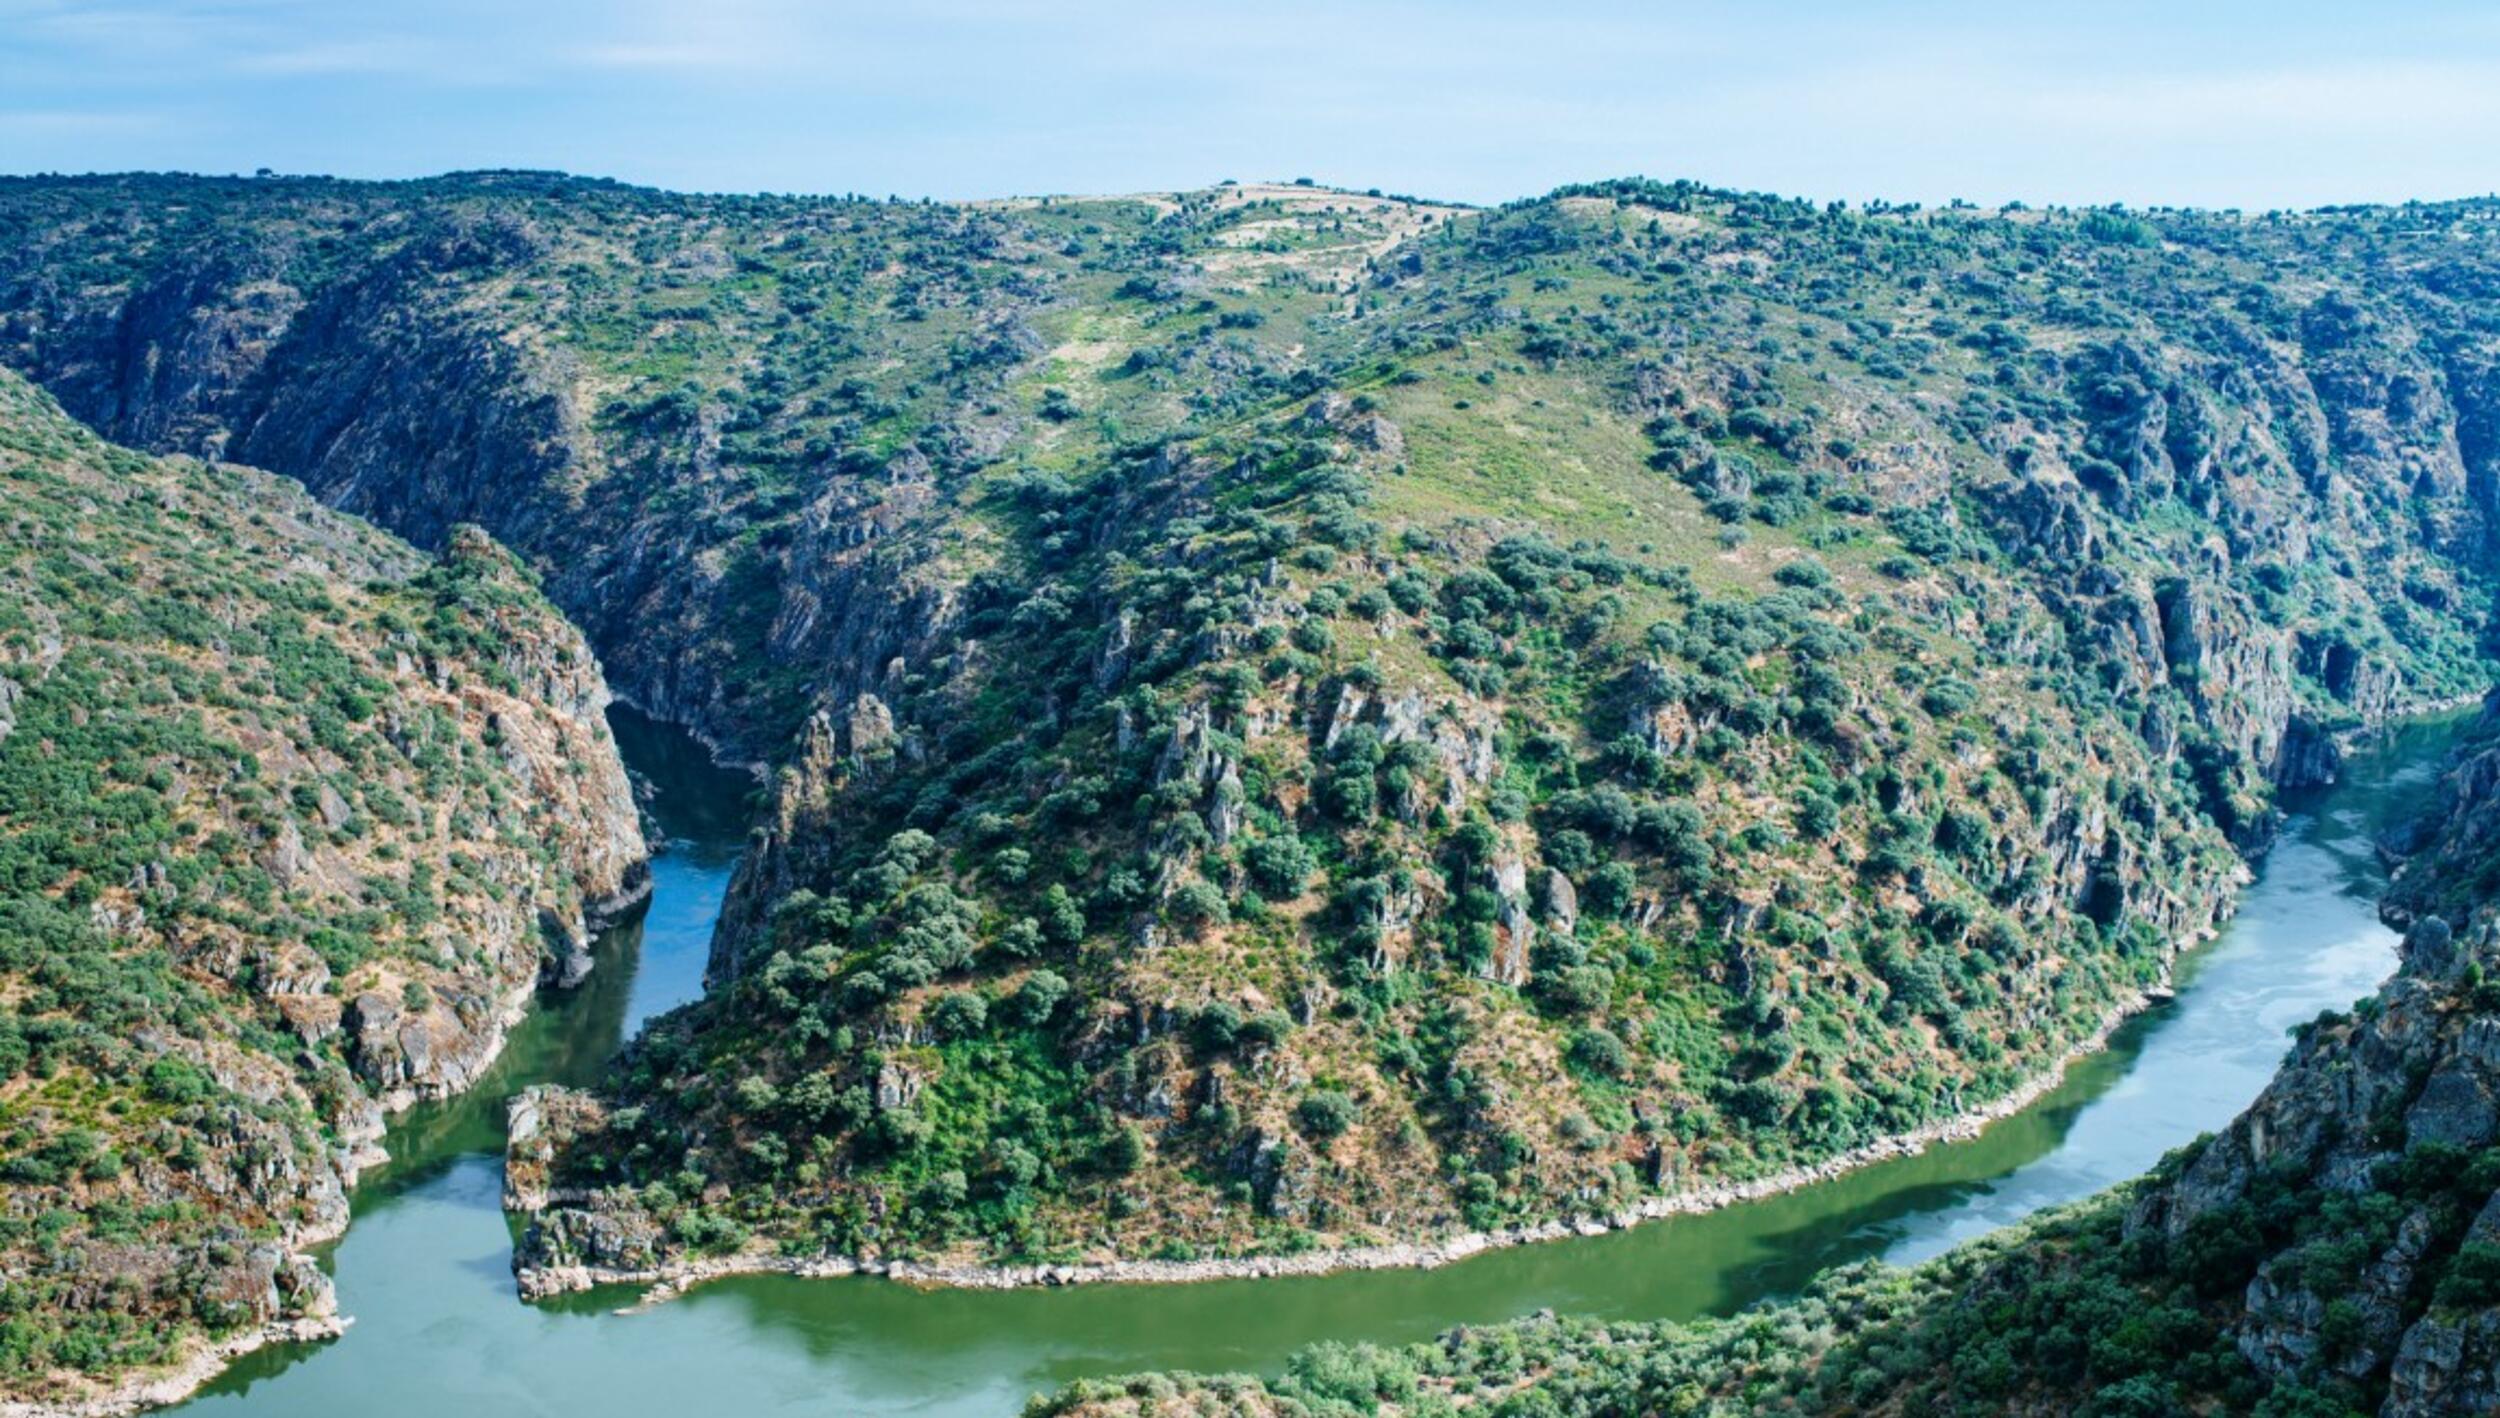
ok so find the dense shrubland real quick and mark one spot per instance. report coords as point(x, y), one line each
point(1303, 719)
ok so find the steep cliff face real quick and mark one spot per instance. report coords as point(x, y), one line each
point(687, 412)
point(2387, 1119)
point(716, 474)
point(293, 821)
point(2448, 861)
point(392, 391)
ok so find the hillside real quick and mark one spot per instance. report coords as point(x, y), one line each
point(293, 819)
point(1309, 721)
point(2335, 1251)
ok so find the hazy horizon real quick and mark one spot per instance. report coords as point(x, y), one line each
point(2238, 105)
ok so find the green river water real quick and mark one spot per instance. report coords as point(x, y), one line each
point(425, 1269)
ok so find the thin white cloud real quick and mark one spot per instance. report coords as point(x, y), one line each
point(717, 37)
point(688, 57)
point(76, 122)
point(340, 57)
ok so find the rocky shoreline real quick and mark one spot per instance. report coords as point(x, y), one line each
point(180, 1382)
point(360, 1150)
point(667, 1282)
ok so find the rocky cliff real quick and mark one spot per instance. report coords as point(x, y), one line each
point(293, 821)
point(2383, 1126)
point(2448, 861)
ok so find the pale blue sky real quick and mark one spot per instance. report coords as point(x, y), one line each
point(2221, 104)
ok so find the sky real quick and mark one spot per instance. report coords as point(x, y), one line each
point(2213, 103)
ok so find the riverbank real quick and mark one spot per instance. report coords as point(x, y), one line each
point(359, 1151)
point(667, 1282)
point(678, 1275)
point(170, 1386)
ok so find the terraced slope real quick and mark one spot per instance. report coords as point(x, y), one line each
point(293, 819)
point(1309, 721)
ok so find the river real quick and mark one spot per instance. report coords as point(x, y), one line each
point(425, 1269)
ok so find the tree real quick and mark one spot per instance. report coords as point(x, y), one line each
point(1040, 997)
point(1280, 867)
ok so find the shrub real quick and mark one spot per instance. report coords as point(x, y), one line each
point(1805, 573)
point(1610, 890)
point(1324, 1113)
point(1579, 989)
point(1198, 905)
point(1600, 1051)
point(959, 1014)
point(1280, 867)
point(1124, 1151)
point(1039, 997)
